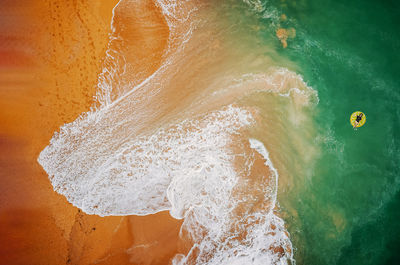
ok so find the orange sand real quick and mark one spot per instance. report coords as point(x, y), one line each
point(51, 53)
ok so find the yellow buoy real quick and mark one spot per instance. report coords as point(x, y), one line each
point(353, 119)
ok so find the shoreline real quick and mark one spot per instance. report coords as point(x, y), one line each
point(50, 83)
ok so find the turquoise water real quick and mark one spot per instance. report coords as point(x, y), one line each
point(348, 207)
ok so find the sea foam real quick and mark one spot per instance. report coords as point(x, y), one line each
point(108, 161)
point(148, 174)
point(224, 235)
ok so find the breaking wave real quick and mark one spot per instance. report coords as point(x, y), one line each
point(178, 139)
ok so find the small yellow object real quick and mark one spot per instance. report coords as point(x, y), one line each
point(353, 118)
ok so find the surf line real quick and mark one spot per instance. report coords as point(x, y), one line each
point(260, 148)
point(167, 55)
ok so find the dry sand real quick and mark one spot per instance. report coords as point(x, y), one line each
point(51, 53)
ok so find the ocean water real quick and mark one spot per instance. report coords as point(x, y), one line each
point(249, 142)
point(357, 177)
point(347, 207)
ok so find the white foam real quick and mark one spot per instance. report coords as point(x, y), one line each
point(187, 169)
point(260, 148)
point(104, 164)
point(114, 80)
point(138, 175)
point(280, 81)
point(256, 5)
point(253, 237)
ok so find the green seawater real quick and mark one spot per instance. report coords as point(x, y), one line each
point(348, 206)
point(348, 209)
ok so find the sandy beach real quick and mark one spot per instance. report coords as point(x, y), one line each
point(199, 132)
point(52, 53)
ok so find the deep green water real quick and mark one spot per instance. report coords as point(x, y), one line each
point(348, 207)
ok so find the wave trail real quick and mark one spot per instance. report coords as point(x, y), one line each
point(134, 177)
point(242, 227)
point(173, 135)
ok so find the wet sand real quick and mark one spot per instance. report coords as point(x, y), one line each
point(51, 55)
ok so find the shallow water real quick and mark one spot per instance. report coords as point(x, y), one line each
point(218, 127)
